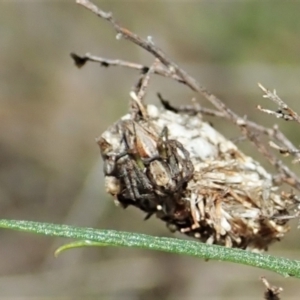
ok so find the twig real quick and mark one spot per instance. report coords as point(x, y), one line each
point(158, 53)
point(194, 109)
point(80, 61)
point(284, 111)
point(280, 114)
point(285, 151)
point(148, 45)
point(287, 175)
point(139, 91)
point(143, 83)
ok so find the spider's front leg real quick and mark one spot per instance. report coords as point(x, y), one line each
point(180, 158)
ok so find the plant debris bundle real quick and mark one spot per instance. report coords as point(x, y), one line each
point(179, 168)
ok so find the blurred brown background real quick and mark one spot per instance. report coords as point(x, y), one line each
point(51, 112)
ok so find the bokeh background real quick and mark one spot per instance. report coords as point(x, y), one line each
point(51, 112)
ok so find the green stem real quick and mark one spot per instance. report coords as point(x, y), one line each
point(283, 266)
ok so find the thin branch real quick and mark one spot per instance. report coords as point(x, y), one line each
point(144, 81)
point(280, 114)
point(284, 111)
point(138, 93)
point(285, 151)
point(287, 175)
point(80, 61)
point(148, 44)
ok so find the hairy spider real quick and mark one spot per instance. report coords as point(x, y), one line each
point(153, 169)
point(122, 160)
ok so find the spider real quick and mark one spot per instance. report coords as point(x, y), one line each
point(122, 162)
point(153, 169)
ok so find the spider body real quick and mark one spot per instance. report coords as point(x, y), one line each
point(152, 169)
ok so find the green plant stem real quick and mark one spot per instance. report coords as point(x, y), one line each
point(283, 266)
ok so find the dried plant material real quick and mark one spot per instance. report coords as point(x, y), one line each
point(283, 111)
point(285, 151)
point(272, 292)
point(80, 61)
point(179, 168)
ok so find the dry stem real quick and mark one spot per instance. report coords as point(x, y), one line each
point(284, 111)
point(80, 61)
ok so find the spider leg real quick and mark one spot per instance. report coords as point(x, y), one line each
point(136, 182)
point(181, 159)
